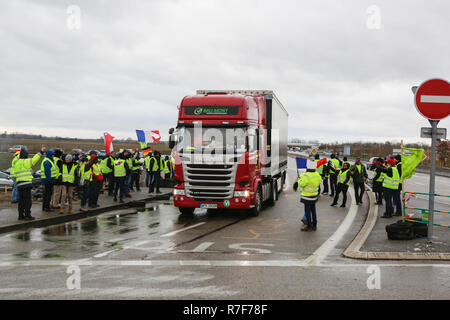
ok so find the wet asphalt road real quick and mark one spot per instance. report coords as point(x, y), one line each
point(156, 253)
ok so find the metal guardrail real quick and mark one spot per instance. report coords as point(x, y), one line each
point(423, 211)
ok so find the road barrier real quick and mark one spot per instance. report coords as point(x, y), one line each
point(423, 211)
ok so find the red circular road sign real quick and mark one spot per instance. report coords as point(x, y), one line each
point(432, 99)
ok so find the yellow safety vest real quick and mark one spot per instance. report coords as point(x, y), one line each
point(119, 168)
point(104, 167)
point(68, 176)
point(53, 172)
point(22, 168)
point(342, 177)
point(392, 182)
point(309, 183)
point(85, 175)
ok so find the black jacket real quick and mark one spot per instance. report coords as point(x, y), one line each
point(358, 177)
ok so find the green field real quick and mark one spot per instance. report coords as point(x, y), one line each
point(6, 158)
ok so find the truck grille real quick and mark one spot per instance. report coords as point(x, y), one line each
point(209, 182)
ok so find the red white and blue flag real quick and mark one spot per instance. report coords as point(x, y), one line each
point(303, 163)
point(148, 136)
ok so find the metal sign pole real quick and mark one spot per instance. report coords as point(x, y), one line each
point(434, 124)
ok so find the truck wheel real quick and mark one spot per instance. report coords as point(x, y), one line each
point(186, 211)
point(274, 193)
point(254, 212)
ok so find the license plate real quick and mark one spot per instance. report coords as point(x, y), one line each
point(208, 205)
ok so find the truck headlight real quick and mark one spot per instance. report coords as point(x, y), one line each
point(178, 192)
point(244, 193)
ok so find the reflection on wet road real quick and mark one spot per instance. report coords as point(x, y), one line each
point(89, 236)
point(109, 232)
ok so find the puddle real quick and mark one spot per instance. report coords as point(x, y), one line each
point(153, 225)
point(127, 230)
point(22, 255)
point(25, 236)
point(52, 255)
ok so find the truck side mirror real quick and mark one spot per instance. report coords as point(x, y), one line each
point(171, 141)
point(171, 130)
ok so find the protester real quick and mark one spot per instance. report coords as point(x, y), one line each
point(333, 168)
point(378, 182)
point(359, 176)
point(309, 183)
point(48, 178)
point(148, 171)
point(167, 168)
point(156, 164)
point(96, 181)
point(106, 170)
point(24, 176)
point(110, 164)
point(15, 192)
point(342, 185)
point(55, 202)
point(70, 179)
point(85, 174)
point(136, 171)
point(128, 179)
point(391, 182)
point(121, 171)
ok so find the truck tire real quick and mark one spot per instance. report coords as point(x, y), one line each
point(400, 230)
point(185, 210)
point(273, 193)
point(254, 212)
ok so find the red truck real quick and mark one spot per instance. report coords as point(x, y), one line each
point(230, 150)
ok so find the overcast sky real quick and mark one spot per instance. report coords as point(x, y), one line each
point(342, 73)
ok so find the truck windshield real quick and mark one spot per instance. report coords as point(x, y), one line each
point(212, 140)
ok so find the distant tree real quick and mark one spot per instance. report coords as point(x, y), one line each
point(443, 152)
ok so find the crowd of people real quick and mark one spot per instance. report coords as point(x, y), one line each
point(66, 177)
point(335, 177)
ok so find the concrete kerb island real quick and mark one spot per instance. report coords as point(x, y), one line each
point(353, 250)
point(39, 223)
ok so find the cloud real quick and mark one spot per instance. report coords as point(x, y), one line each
point(131, 63)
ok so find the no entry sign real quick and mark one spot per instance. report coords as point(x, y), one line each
point(432, 99)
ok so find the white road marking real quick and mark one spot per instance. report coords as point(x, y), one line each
point(181, 230)
point(103, 254)
point(200, 248)
point(239, 246)
point(435, 99)
point(324, 250)
point(214, 263)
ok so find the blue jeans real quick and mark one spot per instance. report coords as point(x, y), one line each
point(310, 213)
point(15, 192)
point(84, 198)
point(147, 178)
point(391, 197)
point(128, 183)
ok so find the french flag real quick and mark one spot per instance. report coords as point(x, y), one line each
point(303, 163)
point(108, 142)
point(148, 136)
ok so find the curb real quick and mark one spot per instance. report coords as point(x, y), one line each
point(80, 215)
point(353, 250)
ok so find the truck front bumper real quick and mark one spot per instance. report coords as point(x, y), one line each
point(233, 203)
